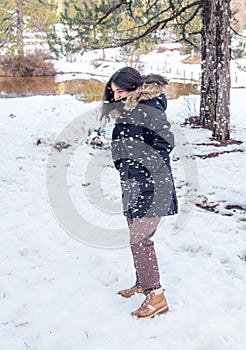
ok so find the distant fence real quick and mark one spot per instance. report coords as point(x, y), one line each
point(190, 75)
point(185, 72)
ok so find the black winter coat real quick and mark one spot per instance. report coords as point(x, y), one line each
point(141, 144)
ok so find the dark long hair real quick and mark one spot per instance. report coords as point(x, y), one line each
point(128, 79)
point(155, 79)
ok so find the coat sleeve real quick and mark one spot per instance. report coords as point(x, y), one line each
point(157, 129)
point(144, 137)
point(158, 140)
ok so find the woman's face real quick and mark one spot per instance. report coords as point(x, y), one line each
point(118, 92)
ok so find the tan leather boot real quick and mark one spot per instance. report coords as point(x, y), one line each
point(154, 304)
point(127, 293)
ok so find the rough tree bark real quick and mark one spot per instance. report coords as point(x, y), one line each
point(19, 28)
point(215, 84)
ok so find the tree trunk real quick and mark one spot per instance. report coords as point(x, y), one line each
point(20, 28)
point(215, 84)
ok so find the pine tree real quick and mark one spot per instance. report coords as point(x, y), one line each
point(17, 17)
point(89, 25)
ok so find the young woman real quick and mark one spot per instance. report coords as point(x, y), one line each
point(141, 144)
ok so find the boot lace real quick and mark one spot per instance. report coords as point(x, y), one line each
point(146, 301)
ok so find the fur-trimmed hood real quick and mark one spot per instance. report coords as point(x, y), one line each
point(143, 93)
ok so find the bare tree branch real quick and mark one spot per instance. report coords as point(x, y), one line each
point(159, 24)
point(110, 11)
point(236, 32)
point(7, 32)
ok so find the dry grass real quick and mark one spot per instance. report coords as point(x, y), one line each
point(30, 65)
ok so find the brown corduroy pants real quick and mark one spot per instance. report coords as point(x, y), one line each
point(143, 252)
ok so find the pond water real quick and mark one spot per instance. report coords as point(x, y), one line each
point(85, 90)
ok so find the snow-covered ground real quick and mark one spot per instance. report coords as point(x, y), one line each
point(59, 293)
